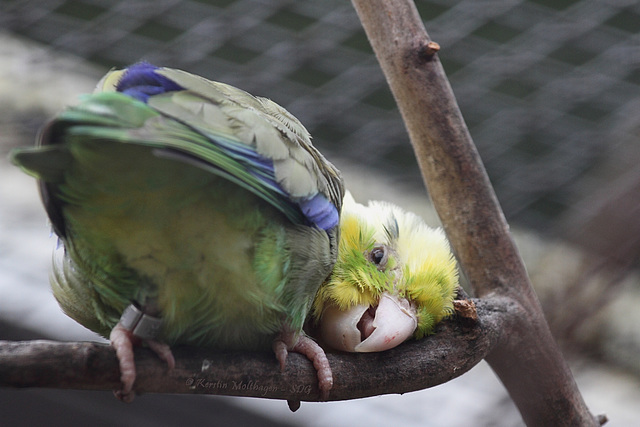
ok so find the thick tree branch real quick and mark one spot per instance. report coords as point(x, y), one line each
point(526, 359)
point(458, 345)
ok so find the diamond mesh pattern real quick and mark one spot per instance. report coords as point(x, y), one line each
point(550, 88)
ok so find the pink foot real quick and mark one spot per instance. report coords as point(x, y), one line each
point(309, 348)
point(281, 349)
point(315, 353)
point(122, 340)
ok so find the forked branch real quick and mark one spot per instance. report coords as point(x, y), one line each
point(526, 358)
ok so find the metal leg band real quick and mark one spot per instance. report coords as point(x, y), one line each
point(140, 324)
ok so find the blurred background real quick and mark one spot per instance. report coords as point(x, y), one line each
point(550, 90)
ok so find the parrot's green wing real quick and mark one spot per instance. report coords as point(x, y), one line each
point(257, 122)
point(192, 208)
point(250, 141)
point(95, 160)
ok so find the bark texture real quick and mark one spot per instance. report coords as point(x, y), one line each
point(459, 344)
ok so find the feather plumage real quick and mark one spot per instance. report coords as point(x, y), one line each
point(192, 199)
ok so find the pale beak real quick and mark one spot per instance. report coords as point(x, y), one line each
point(356, 330)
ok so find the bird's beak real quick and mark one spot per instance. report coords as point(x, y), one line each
point(360, 329)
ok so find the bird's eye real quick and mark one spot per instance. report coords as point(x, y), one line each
point(379, 256)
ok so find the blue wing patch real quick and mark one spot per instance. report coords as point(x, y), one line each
point(320, 211)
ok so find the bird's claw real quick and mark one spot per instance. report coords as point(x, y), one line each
point(309, 348)
point(317, 356)
point(281, 349)
point(123, 340)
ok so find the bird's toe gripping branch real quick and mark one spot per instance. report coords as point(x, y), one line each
point(317, 356)
point(309, 348)
point(135, 327)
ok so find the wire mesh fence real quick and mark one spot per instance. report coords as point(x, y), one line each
point(550, 88)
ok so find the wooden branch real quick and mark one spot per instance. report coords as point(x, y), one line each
point(526, 359)
point(459, 344)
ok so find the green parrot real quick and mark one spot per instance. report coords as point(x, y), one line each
point(395, 278)
point(189, 212)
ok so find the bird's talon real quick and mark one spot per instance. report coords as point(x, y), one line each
point(123, 340)
point(281, 351)
point(309, 348)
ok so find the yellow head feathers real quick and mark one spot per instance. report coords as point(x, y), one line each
point(384, 249)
